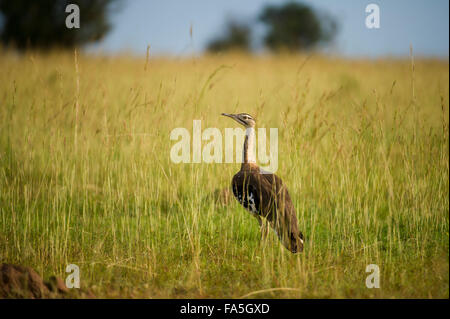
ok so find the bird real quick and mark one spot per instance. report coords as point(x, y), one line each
point(264, 194)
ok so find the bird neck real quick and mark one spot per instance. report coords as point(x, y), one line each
point(248, 153)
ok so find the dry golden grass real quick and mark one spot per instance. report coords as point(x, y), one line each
point(86, 178)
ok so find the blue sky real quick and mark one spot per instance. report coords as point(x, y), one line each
point(165, 25)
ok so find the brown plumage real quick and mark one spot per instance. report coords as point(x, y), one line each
point(263, 194)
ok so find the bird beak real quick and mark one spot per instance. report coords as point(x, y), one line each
point(229, 115)
point(234, 117)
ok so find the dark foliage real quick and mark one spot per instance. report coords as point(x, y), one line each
point(41, 24)
point(295, 26)
point(237, 37)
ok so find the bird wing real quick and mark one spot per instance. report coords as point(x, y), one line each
point(284, 210)
point(267, 196)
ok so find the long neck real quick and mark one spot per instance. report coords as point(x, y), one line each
point(248, 153)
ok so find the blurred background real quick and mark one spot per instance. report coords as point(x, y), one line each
point(183, 28)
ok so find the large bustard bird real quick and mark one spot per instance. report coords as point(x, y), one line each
point(262, 193)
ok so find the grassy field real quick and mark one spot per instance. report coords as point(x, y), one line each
point(86, 176)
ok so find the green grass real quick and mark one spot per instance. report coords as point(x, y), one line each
point(363, 149)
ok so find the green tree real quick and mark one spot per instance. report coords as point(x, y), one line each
point(295, 26)
point(41, 24)
point(236, 37)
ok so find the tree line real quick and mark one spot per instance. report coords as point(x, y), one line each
point(292, 26)
point(41, 24)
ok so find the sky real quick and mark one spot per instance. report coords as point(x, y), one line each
point(165, 26)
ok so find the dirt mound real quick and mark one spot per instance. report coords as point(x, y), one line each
point(23, 282)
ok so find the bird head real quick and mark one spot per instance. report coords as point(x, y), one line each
point(242, 118)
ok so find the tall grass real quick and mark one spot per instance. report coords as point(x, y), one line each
point(86, 177)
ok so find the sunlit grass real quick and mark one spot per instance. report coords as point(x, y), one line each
point(366, 162)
